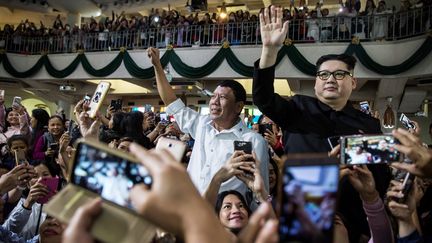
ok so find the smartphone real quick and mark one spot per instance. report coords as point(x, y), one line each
point(107, 172)
point(116, 104)
point(262, 128)
point(163, 118)
point(54, 146)
point(244, 146)
point(71, 126)
point(147, 108)
point(20, 157)
point(364, 107)
point(98, 98)
point(311, 179)
point(2, 93)
point(52, 184)
point(369, 149)
point(99, 171)
point(406, 122)
point(87, 98)
point(16, 101)
point(407, 180)
point(333, 141)
point(177, 148)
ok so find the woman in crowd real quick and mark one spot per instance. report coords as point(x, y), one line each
point(26, 217)
point(39, 123)
point(16, 123)
point(115, 130)
point(133, 127)
point(46, 146)
point(232, 210)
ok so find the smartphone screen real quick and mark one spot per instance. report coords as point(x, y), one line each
point(107, 174)
point(308, 200)
point(245, 146)
point(370, 149)
point(147, 108)
point(406, 122)
point(364, 107)
point(16, 101)
point(20, 157)
point(163, 117)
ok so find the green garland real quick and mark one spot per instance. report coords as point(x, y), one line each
point(225, 53)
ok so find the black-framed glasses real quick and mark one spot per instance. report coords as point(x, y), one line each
point(338, 74)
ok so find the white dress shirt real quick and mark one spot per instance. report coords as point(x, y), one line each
point(213, 148)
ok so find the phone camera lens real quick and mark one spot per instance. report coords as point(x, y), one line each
point(170, 145)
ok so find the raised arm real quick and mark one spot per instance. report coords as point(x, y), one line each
point(165, 90)
point(273, 33)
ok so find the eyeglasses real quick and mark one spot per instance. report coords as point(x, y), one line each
point(338, 74)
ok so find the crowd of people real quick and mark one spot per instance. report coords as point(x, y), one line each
point(226, 194)
point(161, 28)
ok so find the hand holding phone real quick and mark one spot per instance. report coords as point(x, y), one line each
point(246, 147)
point(177, 148)
point(116, 104)
point(98, 98)
point(262, 128)
point(99, 171)
point(364, 107)
point(51, 183)
point(16, 102)
point(163, 118)
point(406, 122)
point(20, 157)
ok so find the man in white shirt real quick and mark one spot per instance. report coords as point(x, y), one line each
point(215, 133)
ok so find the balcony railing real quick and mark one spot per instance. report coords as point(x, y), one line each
point(330, 29)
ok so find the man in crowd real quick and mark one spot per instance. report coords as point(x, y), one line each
point(215, 133)
point(309, 121)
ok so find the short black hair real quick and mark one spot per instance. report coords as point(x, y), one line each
point(221, 196)
point(236, 87)
point(17, 137)
point(349, 60)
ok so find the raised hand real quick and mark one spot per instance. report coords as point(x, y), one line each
point(153, 54)
point(362, 180)
point(273, 31)
point(413, 148)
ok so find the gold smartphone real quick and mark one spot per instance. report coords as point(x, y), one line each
point(20, 157)
point(98, 98)
point(99, 171)
point(177, 148)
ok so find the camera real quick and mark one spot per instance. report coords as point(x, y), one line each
point(116, 104)
point(54, 146)
point(369, 149)
point(262, 128)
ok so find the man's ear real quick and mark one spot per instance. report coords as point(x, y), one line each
point(354, 83)
point(240, 105)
